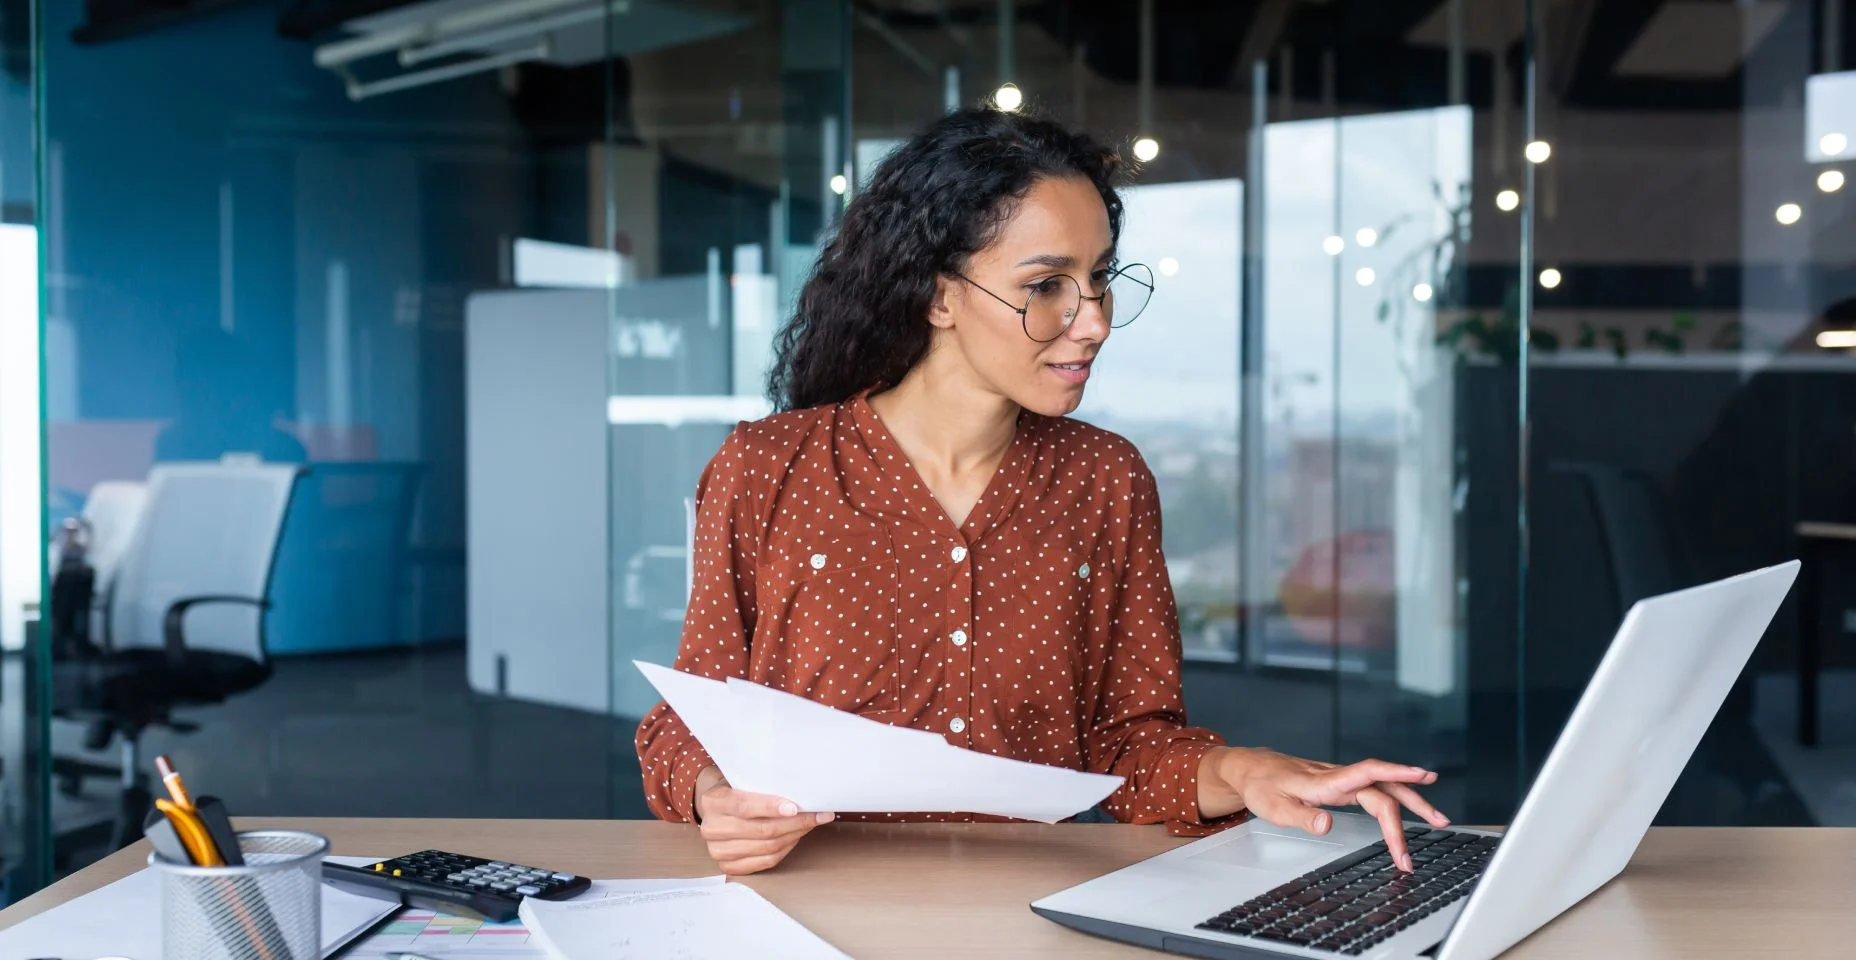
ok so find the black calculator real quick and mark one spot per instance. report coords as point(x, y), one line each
point(454, 883)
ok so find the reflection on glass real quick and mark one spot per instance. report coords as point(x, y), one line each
point(20, 555)
point(1169, 383)
point(1357, 425)
point(1829, 116)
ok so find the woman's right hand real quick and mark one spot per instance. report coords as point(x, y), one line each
point(748, 832)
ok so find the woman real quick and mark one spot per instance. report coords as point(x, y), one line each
point(923, 538)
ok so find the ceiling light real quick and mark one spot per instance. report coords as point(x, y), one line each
point(1168, 266)
point(1332, 246)
point(1830, 181)
point(1507, 200)
point(1008, 97)
point(1837, 339)
point(1550, 278)
point(1146, 148)
point(1832, 144)
point(1366, 236)
point(838, 184)
point(1538, 151)
point(1422, 293)
point(1364, 276)
point(1788, 213)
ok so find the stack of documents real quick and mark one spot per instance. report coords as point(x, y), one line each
point(712, 921)
point(830, 761)
point(123, 919)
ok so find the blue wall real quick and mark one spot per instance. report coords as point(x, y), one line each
point(401, 202)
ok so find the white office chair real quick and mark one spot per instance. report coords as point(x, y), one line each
point(112, 512)
point(197, 576)
point(184, 611)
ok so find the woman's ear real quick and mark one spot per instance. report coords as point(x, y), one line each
point(941, 308)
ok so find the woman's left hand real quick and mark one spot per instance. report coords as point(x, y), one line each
point(1289, 791)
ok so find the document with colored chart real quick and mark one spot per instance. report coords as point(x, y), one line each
point(829, 761)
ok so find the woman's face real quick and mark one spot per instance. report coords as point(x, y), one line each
point(1059, 230)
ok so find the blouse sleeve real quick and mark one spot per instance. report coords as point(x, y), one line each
point(716, 628)
point(1139, 729)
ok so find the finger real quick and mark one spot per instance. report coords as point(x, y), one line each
point(1286, 811)
point(1385, 810)
point(726, 850)
point(1366, 773)
point(756, 806)
point(743, 867)
point(747, 828)
point(762, 831)
point(1416, 803)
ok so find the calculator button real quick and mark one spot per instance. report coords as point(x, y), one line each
point(528, 889)
point(563, 876)
point(498, 864)
point(453, 877)
point(503, 885)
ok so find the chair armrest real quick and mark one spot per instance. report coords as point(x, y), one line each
point(173, 637)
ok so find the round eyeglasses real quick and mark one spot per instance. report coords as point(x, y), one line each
point(1055, 301)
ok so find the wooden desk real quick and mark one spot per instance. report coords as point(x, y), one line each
point(1814, 540)
point(947, 890)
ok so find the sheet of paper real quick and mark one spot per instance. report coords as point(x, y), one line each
point(729, 920)
point(715, 725)
point(443, 937)
point(124, 919)
point(828, 760)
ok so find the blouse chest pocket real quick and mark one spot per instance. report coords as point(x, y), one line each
point(1057, 581)
point(834, 621)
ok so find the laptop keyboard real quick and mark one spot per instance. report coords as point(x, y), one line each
point(1351, 904)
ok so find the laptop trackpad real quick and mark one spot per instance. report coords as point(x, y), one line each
point(1270, 851)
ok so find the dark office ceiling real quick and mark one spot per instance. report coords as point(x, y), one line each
point(1598, 54)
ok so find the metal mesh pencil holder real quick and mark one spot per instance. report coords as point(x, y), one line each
point(268, 909)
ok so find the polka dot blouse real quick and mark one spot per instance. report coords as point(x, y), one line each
point(1042, 629)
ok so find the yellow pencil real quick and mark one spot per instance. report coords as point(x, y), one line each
point(192, 833)
point(170, 777)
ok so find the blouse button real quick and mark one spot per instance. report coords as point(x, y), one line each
point(1083, 571)
point(960, 553)
point(959, 637)
point(818, 561)
point(957, 725)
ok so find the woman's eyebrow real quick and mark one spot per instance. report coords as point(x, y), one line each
point(1060, 261)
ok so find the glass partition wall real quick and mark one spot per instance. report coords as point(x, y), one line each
point(23, 785)
point(1474, 323)
point(1314, 214)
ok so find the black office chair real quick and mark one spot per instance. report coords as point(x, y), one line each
point(1646, 556)
point(180, 623)
point(1641, 550)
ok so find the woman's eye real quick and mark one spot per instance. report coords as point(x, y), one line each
point(1045, 288)
point(1101, 278)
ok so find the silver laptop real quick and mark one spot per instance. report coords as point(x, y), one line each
point(1261, 891)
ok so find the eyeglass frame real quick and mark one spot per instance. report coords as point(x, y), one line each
point(1024, 312)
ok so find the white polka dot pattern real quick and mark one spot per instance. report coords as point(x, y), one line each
point(825, 568)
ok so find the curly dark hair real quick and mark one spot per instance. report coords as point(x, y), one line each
point(862, 317)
